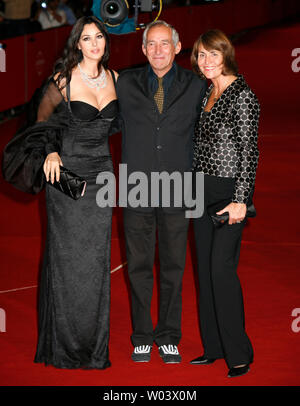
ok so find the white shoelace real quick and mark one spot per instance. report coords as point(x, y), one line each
point(170, 349)
point(142, 349)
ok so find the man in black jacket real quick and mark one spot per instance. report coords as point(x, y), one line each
point(159, 105)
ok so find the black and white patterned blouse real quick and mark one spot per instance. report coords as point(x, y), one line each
point(225, 142)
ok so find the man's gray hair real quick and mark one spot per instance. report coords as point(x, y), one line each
point(175, 35)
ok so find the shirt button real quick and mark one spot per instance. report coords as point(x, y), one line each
point(159, 147)
point(157, 128)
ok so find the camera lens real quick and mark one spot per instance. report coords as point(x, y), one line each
point(113, 11)
point(112, 8)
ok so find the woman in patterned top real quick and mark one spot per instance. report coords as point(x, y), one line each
point(225, 150)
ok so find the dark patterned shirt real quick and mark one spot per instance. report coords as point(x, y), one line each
point(225, 141)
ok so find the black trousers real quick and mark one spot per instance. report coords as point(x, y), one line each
point(140, 235)
point(221, 306)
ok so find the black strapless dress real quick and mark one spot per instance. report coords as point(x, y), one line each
point(74, 304)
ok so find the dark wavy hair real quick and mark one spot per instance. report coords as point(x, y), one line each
point(216, 39)
point(72, 55)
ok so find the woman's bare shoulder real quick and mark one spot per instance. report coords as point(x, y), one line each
point(115, 73)
point(60, 83)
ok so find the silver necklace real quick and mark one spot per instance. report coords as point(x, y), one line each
point(99, 82)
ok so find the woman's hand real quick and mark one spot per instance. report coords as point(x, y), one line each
point(51, 166)
point(237, 212)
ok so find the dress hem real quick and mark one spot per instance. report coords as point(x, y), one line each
point(93, 365)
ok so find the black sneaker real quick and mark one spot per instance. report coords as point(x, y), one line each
point(141, 353)
point(169, 354)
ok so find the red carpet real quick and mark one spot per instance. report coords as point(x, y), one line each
point(269, 265)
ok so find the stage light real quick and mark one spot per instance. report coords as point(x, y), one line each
point(146, 6)
point(115, 13)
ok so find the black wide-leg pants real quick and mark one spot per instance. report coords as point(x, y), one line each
point(140, 235)
point(221, 306)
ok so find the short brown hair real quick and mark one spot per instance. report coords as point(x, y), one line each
point(216, 39)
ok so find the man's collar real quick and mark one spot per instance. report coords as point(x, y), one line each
point(170, 72)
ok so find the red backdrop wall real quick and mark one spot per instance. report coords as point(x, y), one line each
point(30, 58)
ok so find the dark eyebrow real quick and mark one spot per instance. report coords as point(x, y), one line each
point(87, 35)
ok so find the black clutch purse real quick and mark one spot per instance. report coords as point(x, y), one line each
point(220, 219)
point(70, 184)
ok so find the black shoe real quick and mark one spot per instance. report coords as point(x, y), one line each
point(238, 371)
point(169, 354)
point(203, 360)
point(141, 353)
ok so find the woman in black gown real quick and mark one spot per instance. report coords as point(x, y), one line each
point(74, 120)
